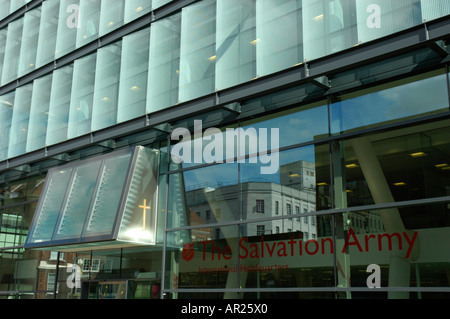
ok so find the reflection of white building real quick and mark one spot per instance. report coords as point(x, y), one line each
point(258, 200)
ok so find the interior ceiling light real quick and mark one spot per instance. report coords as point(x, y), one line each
point(441, 165)
point(352, 165)
point(418, 154)
point(400, 184)
point(322, 184)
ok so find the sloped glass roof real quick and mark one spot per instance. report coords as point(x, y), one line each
point(107, 200)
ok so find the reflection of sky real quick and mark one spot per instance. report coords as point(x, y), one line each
point(390, 104)
point(227, 174)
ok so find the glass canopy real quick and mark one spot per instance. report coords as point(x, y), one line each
point(108, 200)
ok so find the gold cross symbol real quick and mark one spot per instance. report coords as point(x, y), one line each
point(144, 212)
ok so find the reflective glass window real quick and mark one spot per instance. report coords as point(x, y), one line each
point(6, 112)
point(82, 96)
point(89, 15)
point(58, 117)
point(279, 35)
point(106, 89)
point(392, 102)
point(12, 51)
point(68, 23)
point(433, 9)
point(380, 18)
point(164, 63)
point(235, 43)
point(39, 111)
point(198, 50)
point(133, 75)
point(28, 49)
point(328, 27)
point(394, 166)
point(136, 8)
point(47, 32)
point(20, 120)
point(111, 15)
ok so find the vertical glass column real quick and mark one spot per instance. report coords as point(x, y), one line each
point(59, 105)
point(107, 75)
point(164, 63)
point(433, 9)
point(47, 32)
point(4, 8)
point(235, 42)
point(67, 27)
point(40, 101)
point(159, 3)
point(6, 111)
point(378, 18)
point(136, 8)
point(3, 34)
point(198, 50)
point(330, 26)
point(133, 75)
point(17, 4)
point(28, 50)
point(19, 122)
point(279, 33)
point(82, 96)
point(111, 15)
point(12, 51)
point(89, 21)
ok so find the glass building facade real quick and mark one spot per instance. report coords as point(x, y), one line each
point(224, 149)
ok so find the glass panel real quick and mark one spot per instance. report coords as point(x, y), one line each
point(111, 15)
point(40, 101)
point(58, 117)
point(299, 185)
point(108, 195)
point(209, 196)
point(389, 103)
point(330, 26)
point(3, 34)
point(47, 32)
point(133, 75)
point(205, 263)
point(4, 8)
point(139, 215)
point(136, 8)
point(378, 18)
point(75, 208)
point(279, 254)
point(6, 113)
point(20, 119)
point(159, 3)
point(279, 42)
point(13, 227)
point(413, 253)
point(82, 96)
point(89, 21)
point(107, 76)
point(164, 63)
point(395, 166)
point(67, 30)
point(198, 50)
point(12, 51)
point(236, 42)
point(30, 36)
point(16, 4)
point(44, 220)
point(304, 124)
point(433, 9)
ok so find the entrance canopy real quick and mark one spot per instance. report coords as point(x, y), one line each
point(106, 201)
